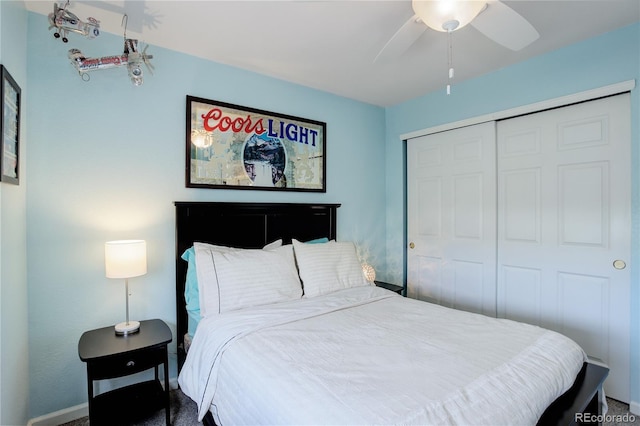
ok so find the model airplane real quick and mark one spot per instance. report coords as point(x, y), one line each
point(131, 58)
point(64, 22)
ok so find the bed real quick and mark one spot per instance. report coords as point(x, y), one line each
point(350, 353)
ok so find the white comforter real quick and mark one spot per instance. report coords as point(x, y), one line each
point(368, 356)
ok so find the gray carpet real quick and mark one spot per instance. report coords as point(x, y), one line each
point(621, 411)
point(184, 413)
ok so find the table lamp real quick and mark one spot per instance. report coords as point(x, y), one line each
point(126, 259)
point(369, 272)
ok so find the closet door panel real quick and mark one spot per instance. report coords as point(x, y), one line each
point(426, 277)
point(451, 188)
point(584, 310)
point(467, 206)
point(564, 212)
point(520, 195)
point(429, 206)
point(519, 297)
point(583, 192)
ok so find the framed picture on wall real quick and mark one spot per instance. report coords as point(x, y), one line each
point(10, 128)
point(234, 147)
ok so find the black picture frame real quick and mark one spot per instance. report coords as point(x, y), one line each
point(10, 94)
point(235, 147)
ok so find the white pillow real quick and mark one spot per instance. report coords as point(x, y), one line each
point(230, 279)
point(206, 276)
point(328, 267)
point(275, 244)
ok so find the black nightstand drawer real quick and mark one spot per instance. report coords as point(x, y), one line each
point(127, 363)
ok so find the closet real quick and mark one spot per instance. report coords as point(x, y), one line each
point(529, 218)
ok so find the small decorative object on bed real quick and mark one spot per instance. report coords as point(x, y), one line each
point(234, 147)
point(10, 128)
point(339, 350)
point(125, 259)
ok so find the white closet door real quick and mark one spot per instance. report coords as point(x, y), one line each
point(564, 227)
point(451, 218)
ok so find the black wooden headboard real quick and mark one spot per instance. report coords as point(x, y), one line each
point(243, 225)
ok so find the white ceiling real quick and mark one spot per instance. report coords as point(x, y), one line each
point(331, 44)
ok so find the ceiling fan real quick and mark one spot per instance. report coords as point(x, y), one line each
point(492, 18)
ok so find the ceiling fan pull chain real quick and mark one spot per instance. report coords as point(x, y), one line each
point(449, 60)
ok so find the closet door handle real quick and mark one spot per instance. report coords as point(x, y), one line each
point(412, 245)
point(619, 264)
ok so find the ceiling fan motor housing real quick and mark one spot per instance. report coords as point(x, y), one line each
point(447, 15)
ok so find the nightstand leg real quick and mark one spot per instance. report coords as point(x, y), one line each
point(90, 392)
point(166, 388)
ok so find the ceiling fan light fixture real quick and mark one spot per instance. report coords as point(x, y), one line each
point(441, 15)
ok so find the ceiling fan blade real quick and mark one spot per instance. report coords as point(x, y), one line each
point(402, 39)
point(505, 26)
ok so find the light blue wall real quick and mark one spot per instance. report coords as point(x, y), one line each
point(14, 350)
point(601, 61)
point(106, 161)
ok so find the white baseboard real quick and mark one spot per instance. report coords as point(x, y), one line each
point(61, 416)
point(74, 413)
point(634, 407)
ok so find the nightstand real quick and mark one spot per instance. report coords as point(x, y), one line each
point(395, 288)
point(109, 356)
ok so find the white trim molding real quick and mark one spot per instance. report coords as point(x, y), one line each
point(61, 416)
point(612, 89)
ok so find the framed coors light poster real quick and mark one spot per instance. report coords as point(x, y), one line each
point(234, 147)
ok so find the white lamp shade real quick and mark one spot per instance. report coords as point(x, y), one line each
point(435, 13)
point(125, 258)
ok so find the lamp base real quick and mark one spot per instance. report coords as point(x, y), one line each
point(126, 328)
